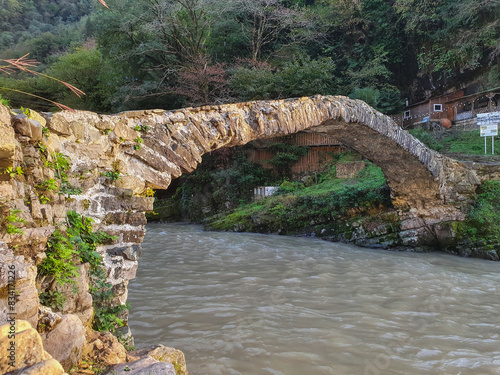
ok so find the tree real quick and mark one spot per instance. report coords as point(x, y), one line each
point(85, 69)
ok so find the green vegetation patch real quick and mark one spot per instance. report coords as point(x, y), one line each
point(294, 207)
point(66, 250)
point(482, 224)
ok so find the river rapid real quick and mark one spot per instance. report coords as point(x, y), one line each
point(238, 303)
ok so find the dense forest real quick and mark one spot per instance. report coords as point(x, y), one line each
point(177, 53)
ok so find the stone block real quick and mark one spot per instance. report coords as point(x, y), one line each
point(133, 183)
point(53, 143)
point(27, 127)
point(128, 252)
point(124, 132)
point(36, 131)
point(103, 347)
point(7, 146)
point(78, 129)
point(4, 115)
point(142, 203)
point(26, 306)
point(59, 124)
point(38, 117)
point(47, 213)
point(79, 303)
point(135, 236)
point(135, 218)
point(119, 269)
point(6, 191)
point(92, 153)
point(21, 125)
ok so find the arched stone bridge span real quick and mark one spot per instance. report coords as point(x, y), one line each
point(423, 182)
point(427, 188)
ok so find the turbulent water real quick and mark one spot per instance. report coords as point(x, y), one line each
point(255, 304)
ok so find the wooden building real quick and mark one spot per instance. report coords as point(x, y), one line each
point(321, 149)
point(449, 108)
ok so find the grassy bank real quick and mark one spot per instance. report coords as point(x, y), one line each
point(455, 141)
point(321, 207)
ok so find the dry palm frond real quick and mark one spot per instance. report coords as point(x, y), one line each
point(24, 64)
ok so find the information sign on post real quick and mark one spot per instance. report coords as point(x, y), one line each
point(489, 131)
point(488, 125)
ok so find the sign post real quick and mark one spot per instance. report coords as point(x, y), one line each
point(489, 131)
point(488, 127)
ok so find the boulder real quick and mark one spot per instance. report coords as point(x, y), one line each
point(65, 341)
point(27, 349)
point(48, 367)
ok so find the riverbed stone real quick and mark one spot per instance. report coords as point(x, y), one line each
point(143, 366)
point(164, 354)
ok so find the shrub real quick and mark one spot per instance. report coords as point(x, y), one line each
point(60, 261)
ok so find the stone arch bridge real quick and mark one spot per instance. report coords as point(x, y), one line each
point(423, 182)
point(151, 147)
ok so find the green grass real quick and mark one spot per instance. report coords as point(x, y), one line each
point(455, 141)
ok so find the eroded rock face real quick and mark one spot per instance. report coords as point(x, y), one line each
point(65, 340)
point(26, 306)
point(78, 298)
point(104, 348)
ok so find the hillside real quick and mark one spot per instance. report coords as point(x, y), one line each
point(171, 54)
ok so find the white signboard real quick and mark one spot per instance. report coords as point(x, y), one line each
point(489, 130)
point(488, 118)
